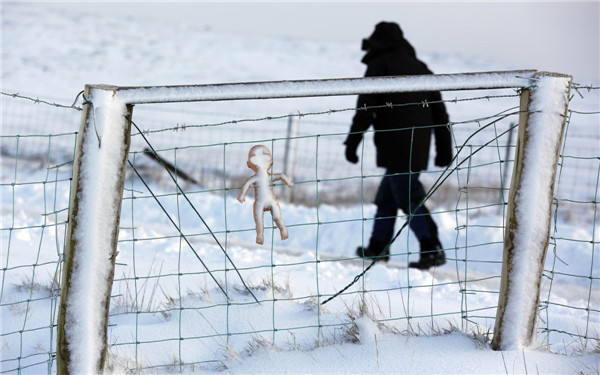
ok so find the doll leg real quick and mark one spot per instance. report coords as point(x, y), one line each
point(260, 225)
point(278, 219)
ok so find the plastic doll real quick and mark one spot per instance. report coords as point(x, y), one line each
point(260, 161)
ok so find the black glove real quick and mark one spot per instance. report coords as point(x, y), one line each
point(443, 160)
point(351, 154)
point(352, 143)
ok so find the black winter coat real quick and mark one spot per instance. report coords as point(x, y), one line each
point(403, 133)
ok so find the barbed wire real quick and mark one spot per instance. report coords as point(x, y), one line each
point(37, 100)
point(587, 87)
point(40, 101)
point(578, 87)
point(181, 127)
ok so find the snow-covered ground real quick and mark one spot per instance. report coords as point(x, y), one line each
point(408, 322)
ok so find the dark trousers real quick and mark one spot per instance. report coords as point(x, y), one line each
point(402, 191)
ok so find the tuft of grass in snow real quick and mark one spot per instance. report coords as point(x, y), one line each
point(203, 293)
point(482, 336)
point(255, 344)
point(267, 285)
point(19, 308)
point(312, 305)
point(143, 297)
point(177, 366)
point(585, 346)
point(594, 369)
point(580, 345)
point(28, 285)
point(593, 342)
point(118, 364)
point(361, 308)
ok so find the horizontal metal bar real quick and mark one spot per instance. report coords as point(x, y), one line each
point(325, 87)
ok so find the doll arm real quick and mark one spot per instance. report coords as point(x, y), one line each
point(242, 197)
point(284, 178)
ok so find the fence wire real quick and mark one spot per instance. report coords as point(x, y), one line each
point(167, 314)
point(35, 203)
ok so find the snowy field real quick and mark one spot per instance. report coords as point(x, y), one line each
point(167, 312)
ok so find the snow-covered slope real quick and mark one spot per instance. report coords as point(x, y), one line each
point(51, 53)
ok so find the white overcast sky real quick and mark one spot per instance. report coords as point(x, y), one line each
point(562, 37)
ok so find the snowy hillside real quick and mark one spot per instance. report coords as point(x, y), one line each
point(168, 314)
point(69, 50)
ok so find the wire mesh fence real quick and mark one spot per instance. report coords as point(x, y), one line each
point(170, 312)
point(36, 175)
point(575, 208)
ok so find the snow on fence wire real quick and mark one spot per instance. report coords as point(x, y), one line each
point(167, 313)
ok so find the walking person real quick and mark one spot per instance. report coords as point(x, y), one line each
point(402, 139)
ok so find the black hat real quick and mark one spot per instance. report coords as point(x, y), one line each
point(387, 35)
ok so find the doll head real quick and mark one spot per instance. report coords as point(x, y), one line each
point(259, 157)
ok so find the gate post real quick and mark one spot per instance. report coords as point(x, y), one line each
point(542, 122)
point(92, 233)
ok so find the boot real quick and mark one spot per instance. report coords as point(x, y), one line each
point(431, 255)
point(376, 250)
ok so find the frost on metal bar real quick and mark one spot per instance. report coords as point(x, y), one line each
point(541, 128)
point(328, 87)
point(90, 249)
